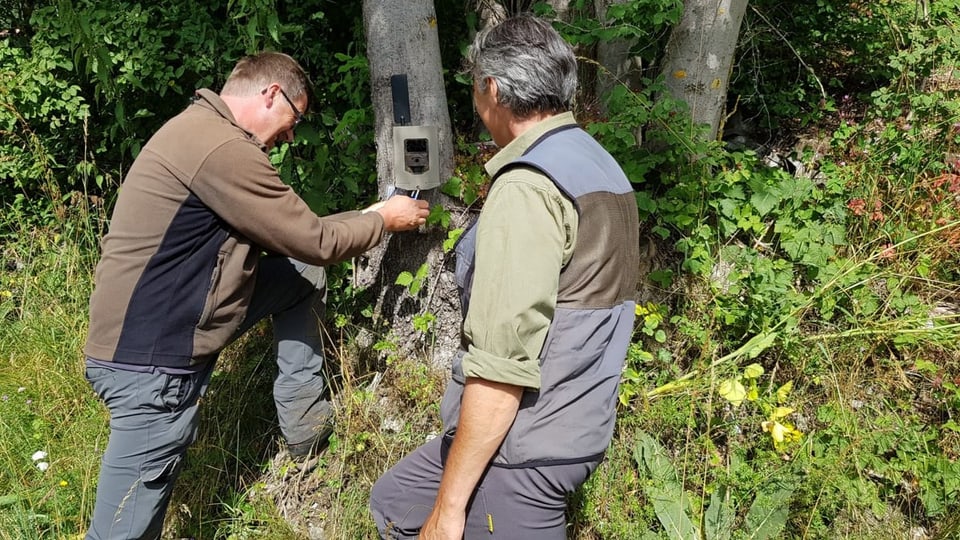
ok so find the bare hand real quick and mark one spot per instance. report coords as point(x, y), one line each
point(401, 213)
point(439, 527)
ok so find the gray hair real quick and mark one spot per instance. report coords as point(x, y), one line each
point(535, 69)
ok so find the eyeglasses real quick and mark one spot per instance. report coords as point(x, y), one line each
point(296, 111)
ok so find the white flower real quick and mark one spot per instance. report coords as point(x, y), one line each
point(43, 465)
point(38, 455)
point(21, 389)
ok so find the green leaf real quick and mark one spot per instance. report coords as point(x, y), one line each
point(422, 271)
point(952, 426)
point(764, 201)
point(664, 278)
point(718, 519)
point(273, 25)
point(758, 344)
point(768, 513)
point(451, 241)
point(404, 279)
point(926, 366)
point(645, 202)
point(670, 502)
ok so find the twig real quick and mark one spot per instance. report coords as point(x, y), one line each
point(809, 69)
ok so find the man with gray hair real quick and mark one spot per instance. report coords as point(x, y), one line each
point(547, 278)
point(183, 273)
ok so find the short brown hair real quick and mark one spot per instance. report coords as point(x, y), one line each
point(254, 73)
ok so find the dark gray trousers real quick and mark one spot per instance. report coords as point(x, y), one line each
point(153, 415)
point(528, 503)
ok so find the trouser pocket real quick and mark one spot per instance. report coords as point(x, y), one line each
point(162, 471)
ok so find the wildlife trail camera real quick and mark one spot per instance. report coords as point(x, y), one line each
point(415, 148)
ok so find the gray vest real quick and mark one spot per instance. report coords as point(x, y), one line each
point(570, 419)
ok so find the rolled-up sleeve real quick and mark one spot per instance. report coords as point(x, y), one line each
point(525, 235)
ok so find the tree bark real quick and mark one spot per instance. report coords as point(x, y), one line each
point(618, 65)
point(402, 39)
point(699, 55)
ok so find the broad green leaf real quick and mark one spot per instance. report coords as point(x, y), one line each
point(768, 513)
point(718, 519)
point(670, 502)
point(764, 202)
point(645, 202)
point(404, 279)
point(926, 366)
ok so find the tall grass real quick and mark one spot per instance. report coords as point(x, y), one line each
point(45, 404)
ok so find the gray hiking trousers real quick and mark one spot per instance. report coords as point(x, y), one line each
point(153, 415)
point(509, 503)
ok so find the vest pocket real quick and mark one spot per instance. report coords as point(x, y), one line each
point(213, 292)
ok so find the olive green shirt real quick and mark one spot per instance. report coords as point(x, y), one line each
point(526, 233)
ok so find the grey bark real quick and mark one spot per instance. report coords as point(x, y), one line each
point(617, 66)
point(402, 39)
point(699, 55)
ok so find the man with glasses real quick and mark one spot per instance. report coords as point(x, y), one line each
point(296, 112)
point(182, 274)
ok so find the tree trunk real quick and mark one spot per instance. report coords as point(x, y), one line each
point(699, 55)
point(402, 39)
point(618, 66)
point(561, 7)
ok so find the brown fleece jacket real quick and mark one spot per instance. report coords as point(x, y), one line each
point(198, 206)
